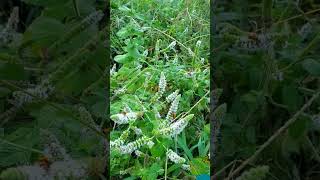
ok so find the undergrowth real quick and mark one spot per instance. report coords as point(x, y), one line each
point(159, 89)
point(267, 63)
point(53, 100)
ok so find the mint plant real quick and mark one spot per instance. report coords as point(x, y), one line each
point(52, 93)
point(159, 90)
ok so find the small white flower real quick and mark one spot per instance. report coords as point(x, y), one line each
point(116, 143)
point(190, 74)
point(124, 118)
point(150, 144)
point(202, 60)
point(174, 157)
point(191, 53)
point(138, 153)
point(176, 127)
point(113, 70)
point(175, 60)
point(121, 172)
point(172, 96)
point(157, 114)
point(186, 167)
point(172, 45)
point(166, 56)
point(206, 71)
point(173, 108)
point(198, 44)
point(132, 146)
point(138, 131)
point(162, 83)
point(157, 47)
point(145, 53)
point(120, 91)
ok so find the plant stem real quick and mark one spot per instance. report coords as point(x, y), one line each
point(21, 147)
point(166, 167)
point(274, 136)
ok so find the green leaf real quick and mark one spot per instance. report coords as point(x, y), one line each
point(122, 58)
point(299, 127)
point(43, 32)
point(11, 155)
point(312, 66)
point(200, 166)
point(291, 97)
point(10, 71)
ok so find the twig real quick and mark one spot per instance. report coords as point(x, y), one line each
point(224, 168)
point(275, 135)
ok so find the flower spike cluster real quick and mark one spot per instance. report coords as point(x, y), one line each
point(176, 127)
point(174, 157)
point(162, 83)
point(172, 96)
point(173, 108)
point(132, 146)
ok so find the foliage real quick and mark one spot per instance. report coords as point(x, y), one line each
point(159, 89)
point(267, 63)
point(53, 100)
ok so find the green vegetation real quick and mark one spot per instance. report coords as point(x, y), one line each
point(266, 60)
point(159, 89)
point(52, 96)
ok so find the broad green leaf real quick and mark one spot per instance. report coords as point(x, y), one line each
point(312, 66)
point(200, 166)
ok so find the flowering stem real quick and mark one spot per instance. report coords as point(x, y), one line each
point(166, 167)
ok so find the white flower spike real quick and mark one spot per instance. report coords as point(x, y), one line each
point(174, 157)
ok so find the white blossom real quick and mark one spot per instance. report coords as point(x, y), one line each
point(173, 108)
point(116, 143)
point(162, 83)
point(186, 167)
point(150, 144)
point(172, 45)
point(138, 153)
point(166, 56)
point(138, 131)
point(145, 53)
point(175, 60)
point(113, 70)
point(124, 118)
point(120, 91)
point(172, 96)
point(176, 127)
point(132, 146)
point(190, 74)
point(157, 114)
point(198, 44)
point(174, 157)
point(191, 53)
point(202, 60)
